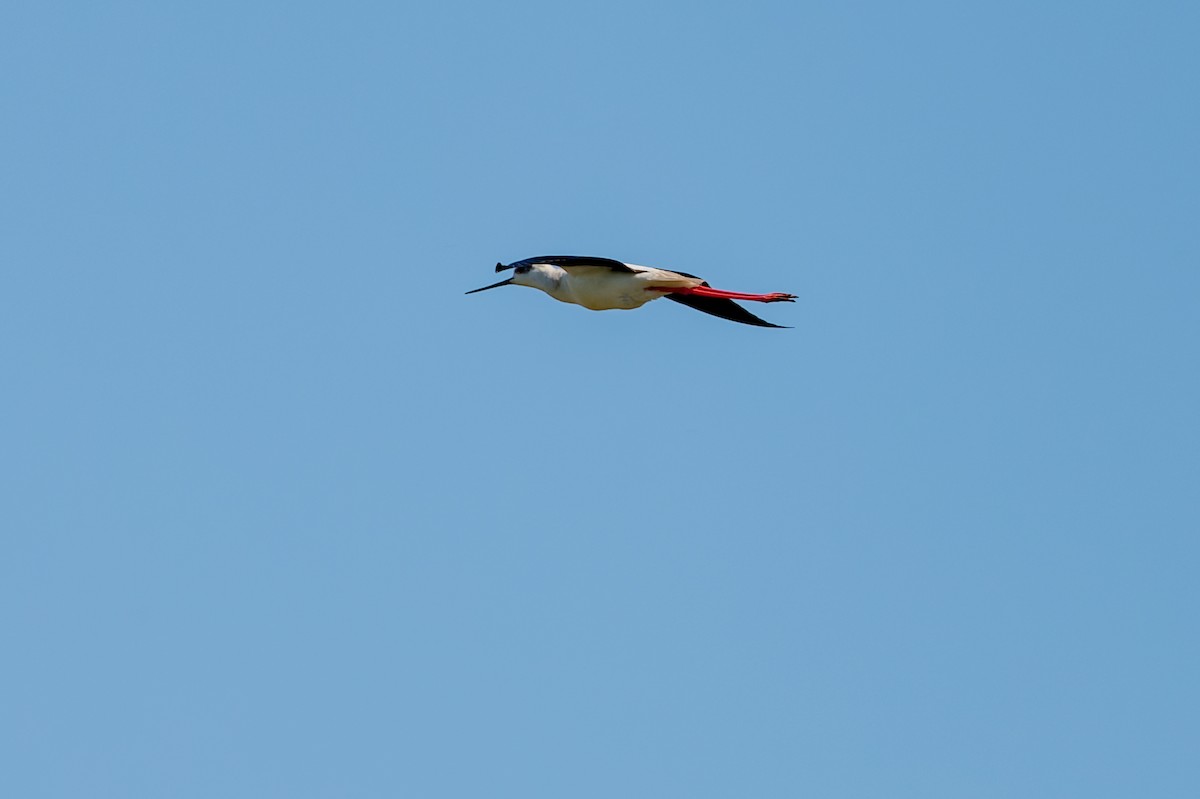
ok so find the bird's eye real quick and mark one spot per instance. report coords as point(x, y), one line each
point(520, 270)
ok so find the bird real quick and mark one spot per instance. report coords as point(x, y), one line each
point(603, 284)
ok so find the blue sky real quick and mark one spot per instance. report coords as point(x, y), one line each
point(285, 514)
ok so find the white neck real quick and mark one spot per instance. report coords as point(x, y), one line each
point(546, 277)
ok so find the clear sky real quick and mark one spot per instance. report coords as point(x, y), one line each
point(284, 514)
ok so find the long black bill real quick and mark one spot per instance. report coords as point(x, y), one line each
point(493, 286)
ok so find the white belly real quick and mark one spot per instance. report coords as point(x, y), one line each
point(605, 291)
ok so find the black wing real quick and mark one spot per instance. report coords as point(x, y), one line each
point(726, 309)
point(567, 261)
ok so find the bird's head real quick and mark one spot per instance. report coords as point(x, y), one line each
point(524, 274)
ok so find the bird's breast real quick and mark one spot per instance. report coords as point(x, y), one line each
point(614, 291)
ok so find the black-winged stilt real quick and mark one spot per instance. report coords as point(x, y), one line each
point(602, 284)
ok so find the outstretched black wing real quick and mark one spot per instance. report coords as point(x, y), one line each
point(567, 261)
point(726, 309)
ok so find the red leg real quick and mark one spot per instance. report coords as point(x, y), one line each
point(708, 291)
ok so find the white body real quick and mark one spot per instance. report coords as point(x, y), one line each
point(599, 288)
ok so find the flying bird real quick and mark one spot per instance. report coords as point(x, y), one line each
point(602, 284)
